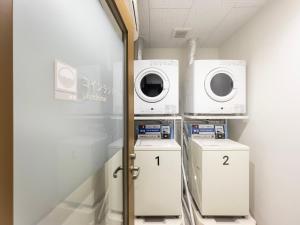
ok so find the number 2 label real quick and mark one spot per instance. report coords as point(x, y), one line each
point(226, 159)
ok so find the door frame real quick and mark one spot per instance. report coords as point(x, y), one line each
point(121, 13)
point(6, 112)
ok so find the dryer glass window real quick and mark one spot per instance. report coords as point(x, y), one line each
point(221, 84)
point(152, 85)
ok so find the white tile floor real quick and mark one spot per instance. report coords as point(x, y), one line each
point(169, 221)
point(163, 221)
point(199, 220)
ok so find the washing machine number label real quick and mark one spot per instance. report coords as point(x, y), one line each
point(157, 158)
point(226, 159)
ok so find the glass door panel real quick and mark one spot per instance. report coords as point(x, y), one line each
point(68, 113)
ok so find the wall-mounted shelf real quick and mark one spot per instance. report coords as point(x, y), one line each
point(216, 117)
point(157, 118)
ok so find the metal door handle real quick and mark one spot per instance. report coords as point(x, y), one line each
point(135, 172)
point(132, 156)
point(115, 174)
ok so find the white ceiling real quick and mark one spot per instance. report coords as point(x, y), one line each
point(211, 21)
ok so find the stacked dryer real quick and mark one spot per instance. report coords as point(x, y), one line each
point(216, 87)
point(158, 155)
point(218, 168)
point(156, 87)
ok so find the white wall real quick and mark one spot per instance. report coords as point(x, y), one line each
point(271, 45)
point(180, 54)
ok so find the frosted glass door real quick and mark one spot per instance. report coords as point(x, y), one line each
point(68, 113)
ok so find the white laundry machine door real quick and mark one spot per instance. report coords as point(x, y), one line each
point(220, 85)
point(152, 85)
point(158, 187)
point(224, 183)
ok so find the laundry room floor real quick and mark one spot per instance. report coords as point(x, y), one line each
point(175, 221)
point(199, 220)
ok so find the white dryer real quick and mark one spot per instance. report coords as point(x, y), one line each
point(216, 87)
point(219, 177)
point(158, 187)
point(156, 87)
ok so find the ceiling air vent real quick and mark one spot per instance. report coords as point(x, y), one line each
point(181, 32)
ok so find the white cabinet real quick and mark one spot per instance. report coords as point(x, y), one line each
point(158, 187)
point(221, 178)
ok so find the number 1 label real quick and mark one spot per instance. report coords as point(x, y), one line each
point(157, 158)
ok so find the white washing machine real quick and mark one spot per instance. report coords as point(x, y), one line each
point(219, 177)
point(114, 180)
point(156, 87)
point(158, 186)
point(216, 87)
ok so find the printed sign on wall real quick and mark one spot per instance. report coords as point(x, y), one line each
point(65, 81)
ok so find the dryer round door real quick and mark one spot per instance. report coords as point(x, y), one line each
point(220, 85)
point(152, 85)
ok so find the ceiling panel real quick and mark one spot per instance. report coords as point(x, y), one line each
point(231, 23)
point(205, 16)
point(162, 24)
point(144, 15)
point(211, 21)
point(244, 3)
point(171, 4)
